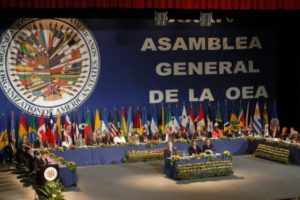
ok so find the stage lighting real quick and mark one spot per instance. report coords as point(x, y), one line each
point(161, 18)
point(205, 19)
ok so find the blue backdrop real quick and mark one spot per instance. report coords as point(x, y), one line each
point(128, 74)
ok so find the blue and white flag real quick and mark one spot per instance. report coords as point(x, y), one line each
point(184, 118)
point(257, 121)
point(129, 120)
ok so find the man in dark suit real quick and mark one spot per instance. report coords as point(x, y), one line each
point(194, 149)
point(208, 145)
point(10, 150)
point(170, 150)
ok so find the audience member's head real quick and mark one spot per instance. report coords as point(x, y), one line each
point(194, 143)
point(266, 126)
point(284, 129)
point(170, 145)
point(207, 141)
point(293, 129)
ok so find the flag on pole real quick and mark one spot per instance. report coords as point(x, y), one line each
point(123, 123)
point(248, 115)
point(42, 128)
point(257, 121)
point(274, 117)
point(153, 123)
point(67, 126)
point(58, 130)
point(162, 120)
point(233, 121)
point(50, 132)
point(218, 117)
point(200, 118)
point(113, 129)
point(75, 125)
point(137, 122)
point(241, 119)
point(265, 114)
point(32, 132)
point(145, 121)
point(114, 118)
point(12, 126)
point(129, 121)
point(225, 117)
point(184, 118)
point(175, 120)
point(3, 134)
point(22, 129)
point(105, 127)
point(209, 121)
point(88, 132)
point(191, 120)
point(168, 124)
point(97, 123)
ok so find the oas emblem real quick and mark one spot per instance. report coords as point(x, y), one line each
point(50, 173)
point(49, 65)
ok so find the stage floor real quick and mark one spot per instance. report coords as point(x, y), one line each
point(253, 178)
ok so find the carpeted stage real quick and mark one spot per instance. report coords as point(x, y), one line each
point(253, 178)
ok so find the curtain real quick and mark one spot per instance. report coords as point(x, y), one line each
point(157, 4)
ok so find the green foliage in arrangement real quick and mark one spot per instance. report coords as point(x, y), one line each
point(273, 153)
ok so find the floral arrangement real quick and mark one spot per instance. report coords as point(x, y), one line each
point(43, 151)
point(183, 141)
point(60, 159)
point(50, 191)
point(175, 157)
point(149, 145)
point(227, 153)
point(153, 142)
point(204, 169)
point(61, 149)
point(273, 153)
point(144, 155)
point(70, 164)
point(283, 144)
point(202, 155)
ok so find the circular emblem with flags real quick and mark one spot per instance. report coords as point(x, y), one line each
point(49, 65)
point(50, 173)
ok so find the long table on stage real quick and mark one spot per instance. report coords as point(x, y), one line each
point(115, 154)
point(67, 177)
point(294, 150)
point(190, 168)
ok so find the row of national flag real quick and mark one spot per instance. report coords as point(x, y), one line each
point(157, 119)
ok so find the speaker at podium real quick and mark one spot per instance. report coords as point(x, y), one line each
point(48, 172)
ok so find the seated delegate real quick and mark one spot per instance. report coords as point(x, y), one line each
point(194, 149)
point(119, 139)
point(208, 146)
point(170, 150)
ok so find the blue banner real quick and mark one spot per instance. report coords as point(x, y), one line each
point(62, 65)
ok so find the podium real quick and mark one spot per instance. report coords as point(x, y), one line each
point(49, 172)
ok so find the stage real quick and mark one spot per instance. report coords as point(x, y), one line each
point(253, 178)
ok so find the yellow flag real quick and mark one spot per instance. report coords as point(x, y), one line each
point(3, 139)
point(265, 116)
point(22, 129)
point(97, 123)
point(58, 124)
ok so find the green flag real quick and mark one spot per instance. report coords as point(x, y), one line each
point(32, 130)
point(218, 118)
